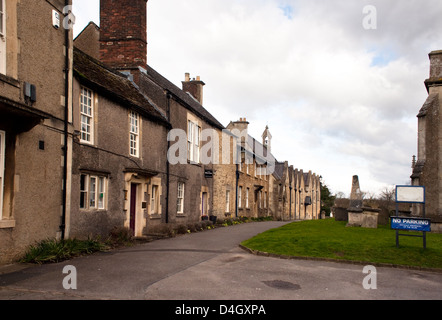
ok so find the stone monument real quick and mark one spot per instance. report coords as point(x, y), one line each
point(355, 208)
point(358, 215)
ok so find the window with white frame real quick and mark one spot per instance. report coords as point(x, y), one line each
point(2, 18)
point(134, 133)
point(247, 197)
point(93, 192)
point(2, 36)
point(2, 169)
point(154, 199)
point(180, 198)
point(193, 141)
point(265, 199)
point(86, 116)
point(227, 201)
point(240, 197)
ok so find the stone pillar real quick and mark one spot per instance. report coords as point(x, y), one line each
point(355, 208)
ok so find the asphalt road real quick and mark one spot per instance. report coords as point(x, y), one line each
point(207, 266)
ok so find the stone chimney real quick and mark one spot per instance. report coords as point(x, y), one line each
point(194, 87)
point(240, 129)
point(435, 70)
point(123, 33)
point(436, 65)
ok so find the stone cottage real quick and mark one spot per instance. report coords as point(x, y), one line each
point(119, 154)
point(121, 44)
point(35, 123)
point(254, 164)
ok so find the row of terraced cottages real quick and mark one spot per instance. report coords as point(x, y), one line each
point(92, 138)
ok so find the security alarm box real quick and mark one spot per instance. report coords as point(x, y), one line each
point(55, 19)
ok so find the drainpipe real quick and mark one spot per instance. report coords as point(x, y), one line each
point(168, 96)
point(290, 203)
point(237, 187)
point(66, 126)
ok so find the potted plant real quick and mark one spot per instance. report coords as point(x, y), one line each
point(213, 219)
point(204, 218)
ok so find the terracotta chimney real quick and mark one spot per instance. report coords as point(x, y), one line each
point(123, 33)
point(194, 87)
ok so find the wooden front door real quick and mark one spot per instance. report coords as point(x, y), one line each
point(133, 206)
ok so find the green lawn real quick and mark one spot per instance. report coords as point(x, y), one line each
point(332, 239)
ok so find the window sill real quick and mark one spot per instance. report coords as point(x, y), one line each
point(9, 80)
point(5, 224)
point(194, 163)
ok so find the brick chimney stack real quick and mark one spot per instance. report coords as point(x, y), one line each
point(123, 33)
point(194, 87)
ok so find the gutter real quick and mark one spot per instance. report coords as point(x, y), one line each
point(66, 127)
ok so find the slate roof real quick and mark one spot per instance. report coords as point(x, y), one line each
point(431, 100)
point(187, 100)
point(279, 170)
point(114, 85)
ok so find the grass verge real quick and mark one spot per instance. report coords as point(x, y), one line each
point(333, 240)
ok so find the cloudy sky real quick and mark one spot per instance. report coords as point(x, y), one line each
point(338, 83)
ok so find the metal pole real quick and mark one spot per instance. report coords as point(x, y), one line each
point(424, 236)
point(397, 231)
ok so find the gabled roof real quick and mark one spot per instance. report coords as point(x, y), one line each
point(186, 99)
point(431, 100)
point(114, 85)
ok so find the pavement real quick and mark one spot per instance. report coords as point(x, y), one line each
point(207, 266)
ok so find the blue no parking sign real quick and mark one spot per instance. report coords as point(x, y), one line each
point(412, 224)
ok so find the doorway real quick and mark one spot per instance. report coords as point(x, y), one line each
point(133, 206)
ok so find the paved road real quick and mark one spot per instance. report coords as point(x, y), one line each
point(210, 266)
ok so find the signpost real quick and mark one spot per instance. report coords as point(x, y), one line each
point(410, 194)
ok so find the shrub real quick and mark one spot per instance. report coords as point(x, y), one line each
point(181, 229)
point(163, 229)
point(51, 250)
point(191, 227)
point(120, 235)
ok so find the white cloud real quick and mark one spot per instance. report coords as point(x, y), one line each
point(339, 100)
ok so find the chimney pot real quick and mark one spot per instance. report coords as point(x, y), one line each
point(187, 76)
